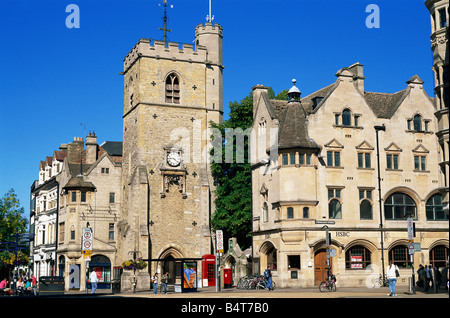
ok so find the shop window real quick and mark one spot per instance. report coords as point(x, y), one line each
point(400, 256)
point(357, 257)
point(439, 256)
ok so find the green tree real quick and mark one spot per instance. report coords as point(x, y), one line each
point(233, 179)
point(11, 215)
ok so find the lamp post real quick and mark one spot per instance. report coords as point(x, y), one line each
point(377, 129)
point(135, 254)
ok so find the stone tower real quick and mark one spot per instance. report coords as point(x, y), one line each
point(172, 92)
point(439, 13)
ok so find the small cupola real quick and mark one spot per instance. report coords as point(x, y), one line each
point(294, 92)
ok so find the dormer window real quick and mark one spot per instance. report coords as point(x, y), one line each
point(316, 101)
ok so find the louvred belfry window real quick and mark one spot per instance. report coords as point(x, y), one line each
point(172, 89)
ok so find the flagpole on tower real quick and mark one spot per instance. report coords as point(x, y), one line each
point(209, 17)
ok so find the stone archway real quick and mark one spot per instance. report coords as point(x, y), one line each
point(170, 264)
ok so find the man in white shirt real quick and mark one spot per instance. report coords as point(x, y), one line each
point(93, 279)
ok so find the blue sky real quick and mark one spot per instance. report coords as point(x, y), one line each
point(54, 79)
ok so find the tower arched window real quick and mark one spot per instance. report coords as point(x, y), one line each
point(172, 89)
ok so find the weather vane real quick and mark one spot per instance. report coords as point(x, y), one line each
point(209, 17)
point(165, 29)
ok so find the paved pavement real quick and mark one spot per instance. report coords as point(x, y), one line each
point(210, 292)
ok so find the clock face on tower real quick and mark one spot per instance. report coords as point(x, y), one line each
point(173, 159)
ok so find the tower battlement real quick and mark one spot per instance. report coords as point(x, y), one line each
point(171, 51)
point(208, 27)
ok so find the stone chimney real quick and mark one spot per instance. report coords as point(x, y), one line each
point(257, 91)
point(75, 149)
point(358, 75)
point(91, 148)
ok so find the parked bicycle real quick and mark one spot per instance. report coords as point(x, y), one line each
point(254, 282)
point(380, 282)
point(328, 285)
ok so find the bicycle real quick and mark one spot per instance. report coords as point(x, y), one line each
point(328, 285)
point(380, 282)
point(262, 283)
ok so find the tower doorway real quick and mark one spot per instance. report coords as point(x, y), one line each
point(170, 266)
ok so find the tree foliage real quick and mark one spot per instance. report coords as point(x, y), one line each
point(12, 221)
point(11, 215)
point(233, 179)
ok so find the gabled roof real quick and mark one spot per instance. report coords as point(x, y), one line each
point(113, 148)
point(384, 105)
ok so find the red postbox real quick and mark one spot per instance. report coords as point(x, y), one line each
point(227, 278)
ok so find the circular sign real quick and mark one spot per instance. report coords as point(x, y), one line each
point(87, 245)
point(87, 235)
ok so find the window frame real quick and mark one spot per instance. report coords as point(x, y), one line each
point(358, 250)
point(394, 206)
point(431, 207)
point(172, 89)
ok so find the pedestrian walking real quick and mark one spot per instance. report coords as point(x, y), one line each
point(268, 277)
point(165, 281)
point(428, 277)
point(155, 283)
point(34, 285)
point(420, 274)
point(392, 274)
point(430, 271)
point(93, 278)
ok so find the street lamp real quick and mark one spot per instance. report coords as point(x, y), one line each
point(377, 129)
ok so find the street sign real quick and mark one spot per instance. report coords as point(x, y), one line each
point(410, 225)
point(87, 239)
point(331, 252)
point(411, 248)
point(219, 241)
point(86, 255)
